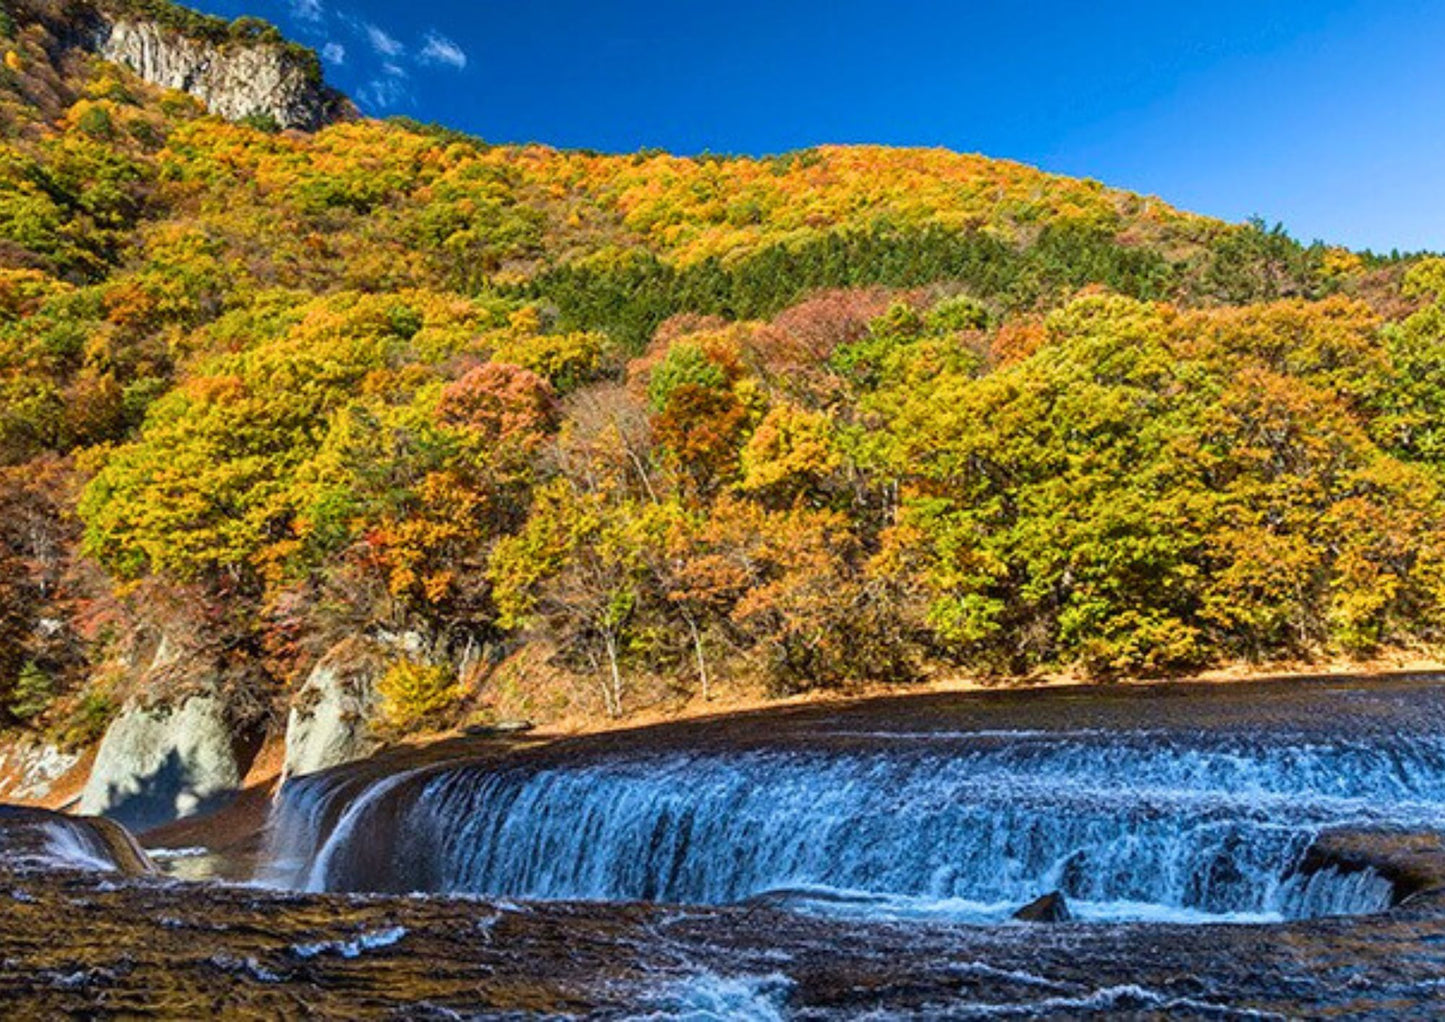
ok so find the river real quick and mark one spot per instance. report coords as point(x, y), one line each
point(1208, 850)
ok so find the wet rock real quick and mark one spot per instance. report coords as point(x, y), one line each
point(44, 838)
point(1413, 863)
point(1051, 908)
point(71, 949)
point(157, 764)
point(791, 898)
point(329, 722)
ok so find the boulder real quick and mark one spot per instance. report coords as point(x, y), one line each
point(158, 764)
point(1051, 908)
point(330, 719)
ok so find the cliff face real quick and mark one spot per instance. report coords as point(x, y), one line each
point(233, 80)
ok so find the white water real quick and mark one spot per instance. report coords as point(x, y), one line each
point(708, 997)
point(964, 827)
point(351, 948)
point(73, 847)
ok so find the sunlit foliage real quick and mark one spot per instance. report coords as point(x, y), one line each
point(848, 413)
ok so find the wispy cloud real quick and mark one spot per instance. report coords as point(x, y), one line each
point(307, 10)
point(384, 44)
point(438, 49)
point(383, 93)
point(388, 90)
point(383, 63)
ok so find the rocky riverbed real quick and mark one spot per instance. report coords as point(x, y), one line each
point(81, 944)
point(1201, 842)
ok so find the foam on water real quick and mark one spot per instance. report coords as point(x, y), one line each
point(1107, 1000)
point(351, 948)
point(709, 997)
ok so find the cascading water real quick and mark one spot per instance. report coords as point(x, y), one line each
point(1155, 825)
point(38, 838)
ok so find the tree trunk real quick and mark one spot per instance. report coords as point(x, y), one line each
point(613, 692)
point(701, 658)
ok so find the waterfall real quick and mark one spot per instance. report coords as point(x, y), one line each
point(38, 838)
point(962, 826)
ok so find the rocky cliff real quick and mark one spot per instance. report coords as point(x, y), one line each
point(234, 81)
point(239, 69)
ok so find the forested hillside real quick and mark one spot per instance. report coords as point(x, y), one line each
point(564, 426)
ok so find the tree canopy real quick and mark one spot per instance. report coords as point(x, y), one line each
point(847, 413)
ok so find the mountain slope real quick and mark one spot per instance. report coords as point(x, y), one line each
point(640, 423)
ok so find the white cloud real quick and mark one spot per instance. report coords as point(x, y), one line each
point(386, 92)
point(307, 10)
point(441, 50)
point(389, 63)
point(382, 43)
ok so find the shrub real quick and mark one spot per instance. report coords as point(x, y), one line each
point(94, 120)
point(414, 693)
point(685, 364)
point(88, 720)
point(34, 692)
point(263, 121)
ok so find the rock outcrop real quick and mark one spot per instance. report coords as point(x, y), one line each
point(329, 720)
point(1414, 864)
point(240, 69)
point(157, 764)
point(234, 80)
point(1051, 908)
point(29, 770)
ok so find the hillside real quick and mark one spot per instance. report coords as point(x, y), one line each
point(507, 430)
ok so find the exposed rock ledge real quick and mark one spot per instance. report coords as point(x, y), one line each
point(1413, 863)
point(239, 69)
point(234, 80)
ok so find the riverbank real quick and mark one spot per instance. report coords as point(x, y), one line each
point(749, 700)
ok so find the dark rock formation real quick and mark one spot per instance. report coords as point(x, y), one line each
point(1413, 863)
point(1051, 908)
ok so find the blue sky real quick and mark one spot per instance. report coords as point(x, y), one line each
point(1327, 115)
